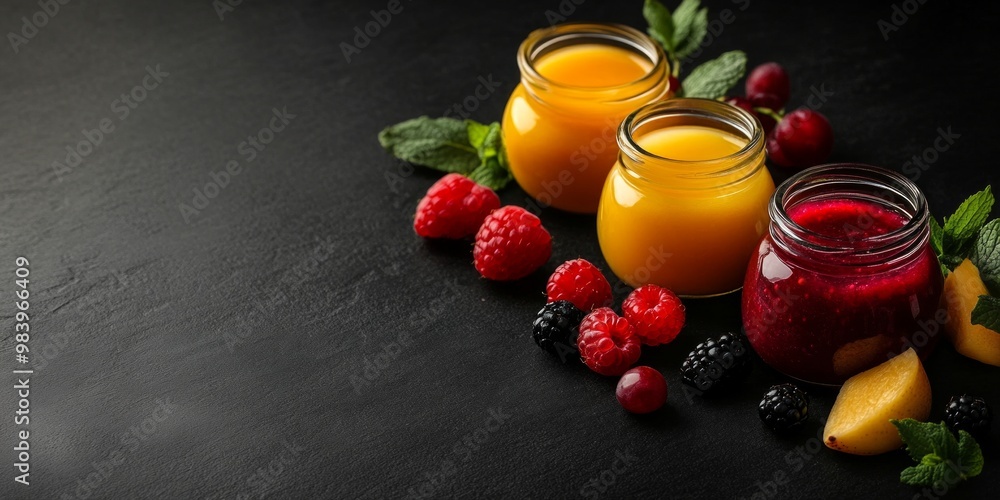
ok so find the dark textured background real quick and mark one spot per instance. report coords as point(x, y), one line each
point(252, 317)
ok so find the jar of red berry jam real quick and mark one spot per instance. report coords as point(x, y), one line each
point(845, 278)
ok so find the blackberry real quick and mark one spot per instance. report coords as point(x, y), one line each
point(784, 407)
point(556, 328)
point(968, 413)
point(716, 363)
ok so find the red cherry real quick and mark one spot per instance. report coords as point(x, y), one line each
point(802, 138)
point(642, 390)
point(769, 78)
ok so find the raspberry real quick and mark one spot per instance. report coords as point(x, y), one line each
point(784, 407)
point(642, 390)
point(511, 244)
point(581, 283)
point(656, 314)
point(607, 343)
point(717, 363)
point(454, 207)
point(970, 414)
point(555, 329)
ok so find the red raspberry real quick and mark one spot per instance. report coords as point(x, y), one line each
point(511, 244)
point(454, 207)
point(608, 344)
point(656, 314)
point(581, 283)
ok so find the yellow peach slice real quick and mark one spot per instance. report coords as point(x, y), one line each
point(962, 289)
point(859, 421)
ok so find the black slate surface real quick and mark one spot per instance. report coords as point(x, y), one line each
point(295, 339)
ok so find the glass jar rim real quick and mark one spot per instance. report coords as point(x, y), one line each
point(881, 181)
point(715, 112)
point(541, 39)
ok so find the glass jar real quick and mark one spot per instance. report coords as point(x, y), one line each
point(578, 81)
point(846, 277)
point(689, 216)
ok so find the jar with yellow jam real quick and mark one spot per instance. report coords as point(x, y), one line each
point(578, 81)
point(686, 204)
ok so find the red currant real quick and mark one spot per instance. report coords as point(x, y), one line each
point(769, 78)
point(642, 390)
point(801, 139)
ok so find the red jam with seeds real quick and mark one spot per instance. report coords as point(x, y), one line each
point(845, 278)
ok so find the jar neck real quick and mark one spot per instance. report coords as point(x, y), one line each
point(671, 173)
point(878, 189)
point(654, 84)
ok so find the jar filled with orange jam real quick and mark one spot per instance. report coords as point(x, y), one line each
point(686, 203)
point(578, 81)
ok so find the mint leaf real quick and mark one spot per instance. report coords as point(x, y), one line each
point(925, 439)
point(986, 255)
point(438, 143)
point(964, 224)
point(920, 475)
point(493, 171)
point(970, 454)
point(987, 313)
point(661, 24)
point(937, 453)
point(714, 78)
point(683, 17)
point(491, 174)
point(937, 234)
point(698, 28)
point(477, 133)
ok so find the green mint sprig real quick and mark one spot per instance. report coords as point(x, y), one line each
point(466, 147)
point(680, 34)
point(986, 255)
point(941, 459)
point(967, 235)
point(714, 78)
point(961, 228)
